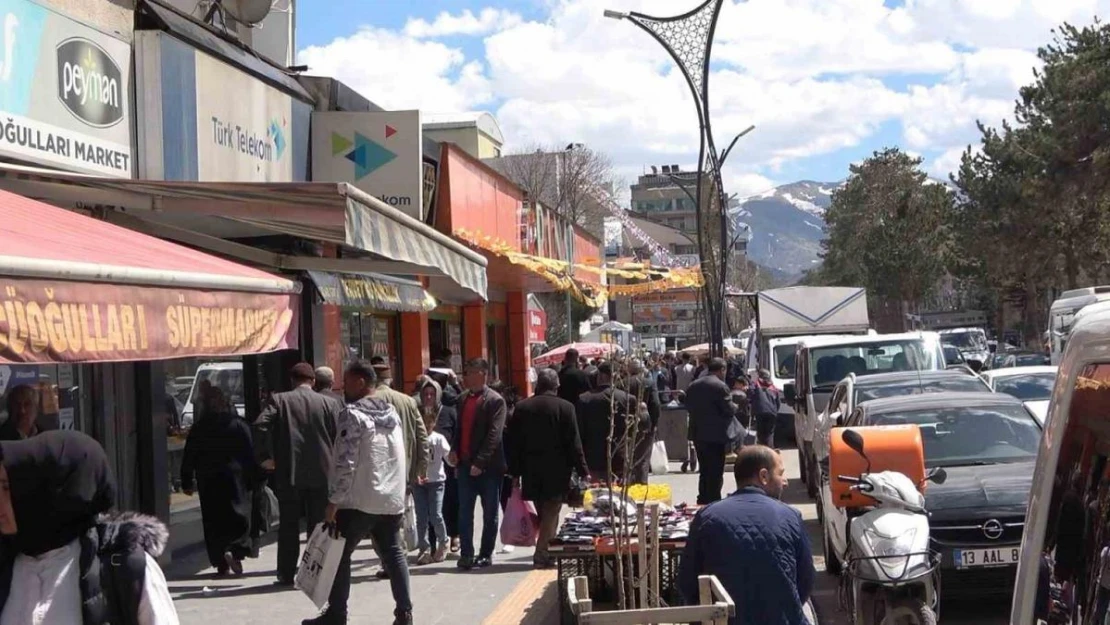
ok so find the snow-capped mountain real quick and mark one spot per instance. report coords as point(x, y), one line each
point(807, 195)
point(788, 223)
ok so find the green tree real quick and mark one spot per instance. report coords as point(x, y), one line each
point(888, 230)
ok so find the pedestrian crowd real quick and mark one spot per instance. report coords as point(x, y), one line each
point(359, 461)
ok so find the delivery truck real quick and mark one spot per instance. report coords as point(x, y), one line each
point(783, 317)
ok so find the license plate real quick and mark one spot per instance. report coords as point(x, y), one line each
point(999, 556)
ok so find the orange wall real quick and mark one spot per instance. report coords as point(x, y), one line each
point(476, 198)
point(587, 251)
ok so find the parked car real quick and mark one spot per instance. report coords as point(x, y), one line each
point(971, 343)
point(1032, 385)
point(854, 391)
point(987, 443)
point(1065, 546)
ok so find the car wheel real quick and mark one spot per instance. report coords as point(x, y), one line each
point(812, 479)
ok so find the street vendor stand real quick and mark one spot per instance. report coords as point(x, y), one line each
point(595, 565)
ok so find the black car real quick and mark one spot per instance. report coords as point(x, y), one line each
point(987, 443)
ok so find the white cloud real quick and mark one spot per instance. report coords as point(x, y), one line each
point(814, 76)
point(400, 72)
point(466, 23)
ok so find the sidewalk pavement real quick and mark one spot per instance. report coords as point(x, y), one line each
point(509, 593)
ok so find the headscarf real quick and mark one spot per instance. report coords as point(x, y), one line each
point(429, 417)
point(60, 481)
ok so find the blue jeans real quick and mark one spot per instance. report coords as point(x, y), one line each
point(428, 499)
point(486, 486)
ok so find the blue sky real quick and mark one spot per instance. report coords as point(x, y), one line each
point(826, 82)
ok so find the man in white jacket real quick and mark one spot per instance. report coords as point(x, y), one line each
point(366, 492)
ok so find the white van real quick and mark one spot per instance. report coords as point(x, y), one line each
point(1066, 542)
point(823, 361)
point(227, 376)
point(1061, 316)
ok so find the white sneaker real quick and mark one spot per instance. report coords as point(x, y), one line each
point(507, 549)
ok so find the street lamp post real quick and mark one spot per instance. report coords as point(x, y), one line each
point(688, 38)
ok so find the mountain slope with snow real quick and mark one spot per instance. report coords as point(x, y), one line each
point(788, 223)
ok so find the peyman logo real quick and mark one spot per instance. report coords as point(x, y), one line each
point(90, 84)
point(367, 155)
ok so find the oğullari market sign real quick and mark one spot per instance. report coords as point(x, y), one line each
point(55, 321)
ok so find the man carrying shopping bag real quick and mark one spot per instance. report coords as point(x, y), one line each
point(366, 493)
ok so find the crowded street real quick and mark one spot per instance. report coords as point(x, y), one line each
point(508, 593)
point(554, 312)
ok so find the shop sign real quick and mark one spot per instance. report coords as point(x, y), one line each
point(68, 322)
point(537, 326)
point(360, 291)
point(380, 153)
point(244, 137)
point(203, 119)
point(65, 90)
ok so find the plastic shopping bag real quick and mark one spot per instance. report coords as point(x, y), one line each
point(659, 462)
point(521, 525)
point(411, 538)
point(319, 565)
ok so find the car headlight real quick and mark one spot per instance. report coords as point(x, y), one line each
point(893, 554)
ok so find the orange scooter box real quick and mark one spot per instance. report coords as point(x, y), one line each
point(890, 448)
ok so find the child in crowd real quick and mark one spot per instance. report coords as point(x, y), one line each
point(428, 493)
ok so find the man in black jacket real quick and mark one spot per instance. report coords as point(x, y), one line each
point(573, 380)
point(596, 409)
point(479, 456)
point(296, 431)
point(546, 449)
point(709, 403)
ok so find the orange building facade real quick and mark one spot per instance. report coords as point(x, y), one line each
point(477, 206)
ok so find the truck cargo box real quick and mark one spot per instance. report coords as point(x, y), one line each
point(889, 447)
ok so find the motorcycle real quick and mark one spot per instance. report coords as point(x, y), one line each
point(891, 577)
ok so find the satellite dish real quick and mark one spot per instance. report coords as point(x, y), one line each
point(247, 11)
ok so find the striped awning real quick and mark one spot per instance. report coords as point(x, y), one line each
point(326, 212)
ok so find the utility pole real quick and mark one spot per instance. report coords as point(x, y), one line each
point(688, 38)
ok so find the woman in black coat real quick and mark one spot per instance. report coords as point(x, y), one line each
point(545, 450)
point(220, 455)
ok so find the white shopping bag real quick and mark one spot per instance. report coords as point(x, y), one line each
point(659, 463)
point(410, 536)
point(319, 565)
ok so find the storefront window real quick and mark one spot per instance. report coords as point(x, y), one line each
point(57, 393)
point(367, 335)
point(184, 382)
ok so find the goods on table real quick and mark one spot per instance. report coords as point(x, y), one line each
point(593, 529)
point(636, 493)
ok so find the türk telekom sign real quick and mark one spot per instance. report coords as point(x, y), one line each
point(65, 92)
point(537, 326)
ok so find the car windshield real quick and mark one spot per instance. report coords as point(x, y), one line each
point(952, 355)
point(971, 435)
point(1031, 387)
point(230, 381)
point(961, 384)
point(1029, 360)
point(784, 361)
point(832, 364)
point(966, 340)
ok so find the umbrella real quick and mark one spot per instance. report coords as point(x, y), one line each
point(589, 350)
point(698, 350)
